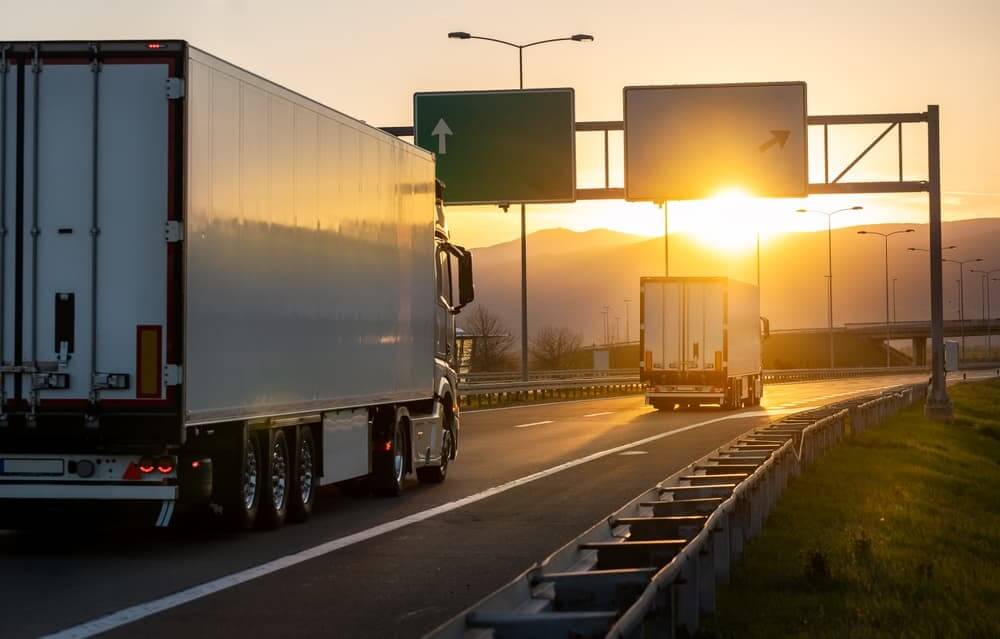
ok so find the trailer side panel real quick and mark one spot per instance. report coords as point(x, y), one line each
point(309, 240)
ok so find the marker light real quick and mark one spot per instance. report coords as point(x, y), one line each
point(388, 446)
point(196, 464)
point(154, 45)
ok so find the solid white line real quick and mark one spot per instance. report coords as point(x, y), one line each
point(607, 412)
point(547, 421)
point(156, 606)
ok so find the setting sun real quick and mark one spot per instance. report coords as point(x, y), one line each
point(729, 221)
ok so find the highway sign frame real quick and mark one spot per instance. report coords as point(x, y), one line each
point(678, 194)
point(553, 196)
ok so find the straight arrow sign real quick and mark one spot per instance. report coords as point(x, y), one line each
point(442, 131)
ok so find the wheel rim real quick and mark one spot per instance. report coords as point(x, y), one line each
point(305, 471)
point(279, 474)
point(250, 477)
point(398, 443)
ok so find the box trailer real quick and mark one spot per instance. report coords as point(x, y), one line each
point(700, 340)
point(214, 289)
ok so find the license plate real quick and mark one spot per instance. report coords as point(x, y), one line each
point(31, 467)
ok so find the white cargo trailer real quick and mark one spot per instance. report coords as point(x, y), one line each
point(213, 288)
point(700, 340)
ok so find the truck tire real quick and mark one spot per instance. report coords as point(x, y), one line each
point(437, 474)
point(391, 458)
point(243, 503)
point(275, 480)
point(305, 478)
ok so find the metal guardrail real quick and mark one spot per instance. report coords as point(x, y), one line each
point(651, 568)
point(487, 389)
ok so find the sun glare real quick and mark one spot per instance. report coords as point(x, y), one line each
point(728, 222)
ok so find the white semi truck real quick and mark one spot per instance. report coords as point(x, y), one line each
point(213, 290)
point(700, 342)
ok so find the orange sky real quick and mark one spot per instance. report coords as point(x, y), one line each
point(368, 58)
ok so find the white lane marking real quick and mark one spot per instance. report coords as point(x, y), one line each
point(632, 452)
point(156, 606)
point(607, 412)
point(530, 424)
point(149, 608)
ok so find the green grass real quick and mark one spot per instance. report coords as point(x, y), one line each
point(894, 533)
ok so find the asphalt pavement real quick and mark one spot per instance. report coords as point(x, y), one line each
point(528, 479)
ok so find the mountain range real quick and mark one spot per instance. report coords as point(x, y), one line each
point(573, 275)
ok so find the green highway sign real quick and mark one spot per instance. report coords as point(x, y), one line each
point(500, 147)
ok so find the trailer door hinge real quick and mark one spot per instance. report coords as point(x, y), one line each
point(173, 231)
point(175, 88)
point(173, 375)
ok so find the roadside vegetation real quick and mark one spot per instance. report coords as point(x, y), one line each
point(894, 533)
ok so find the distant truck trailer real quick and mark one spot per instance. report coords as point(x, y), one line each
point(213, 290)
point(700, 342)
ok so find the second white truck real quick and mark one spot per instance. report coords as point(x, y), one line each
point(700, 342)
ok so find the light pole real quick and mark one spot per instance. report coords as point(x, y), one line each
point(888, 327)
point(627, 336)
point(829, 258)
point(989, 311)
point(579, 37)
point(961, 294)
point(605, 314)
point(894, 299)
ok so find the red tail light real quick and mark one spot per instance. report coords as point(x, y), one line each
point(165, 465)
point(147, 465)
point(388, 446)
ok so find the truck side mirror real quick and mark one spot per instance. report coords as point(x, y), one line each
point(765, 328)
point(466, 288)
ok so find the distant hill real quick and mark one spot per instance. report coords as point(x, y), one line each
point(571, 275)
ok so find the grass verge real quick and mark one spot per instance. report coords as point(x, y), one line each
point(894, 533)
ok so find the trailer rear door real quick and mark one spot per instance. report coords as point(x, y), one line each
point(86, 198)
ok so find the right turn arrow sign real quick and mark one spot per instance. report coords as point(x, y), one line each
point(778, 137)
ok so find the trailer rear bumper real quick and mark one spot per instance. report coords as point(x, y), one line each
point(686, 395)
point(96, 492)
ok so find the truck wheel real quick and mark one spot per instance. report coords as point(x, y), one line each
point(437, 474)
point(390, 458)
point(244, 502)
point(275, 480)
point(305, 480)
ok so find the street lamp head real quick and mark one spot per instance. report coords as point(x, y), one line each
point(582, 37)
point(945, 248)
point(908, 231)
point(801, 210)
point(857, 208)
point(862, 232)
point(460, 35)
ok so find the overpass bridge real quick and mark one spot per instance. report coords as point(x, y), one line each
point(918, 331)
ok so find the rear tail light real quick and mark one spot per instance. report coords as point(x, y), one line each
point(147, 465)
point(165, 465)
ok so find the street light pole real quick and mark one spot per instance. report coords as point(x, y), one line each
point(988, 311)
point(579, 37)
point(829, 273)
point(888, 326)
point(627, 335)
point(961, 295)
point(894, 299)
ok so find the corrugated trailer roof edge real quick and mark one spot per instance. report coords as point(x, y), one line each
point(177, 46)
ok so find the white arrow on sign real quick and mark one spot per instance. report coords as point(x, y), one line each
point(441, 130)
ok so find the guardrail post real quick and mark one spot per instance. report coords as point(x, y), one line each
point(720, 550)
point(687, 595)
point(706, 578)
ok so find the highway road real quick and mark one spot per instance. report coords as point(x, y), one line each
point(528, 479)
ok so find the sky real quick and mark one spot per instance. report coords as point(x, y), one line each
point(367, 59)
